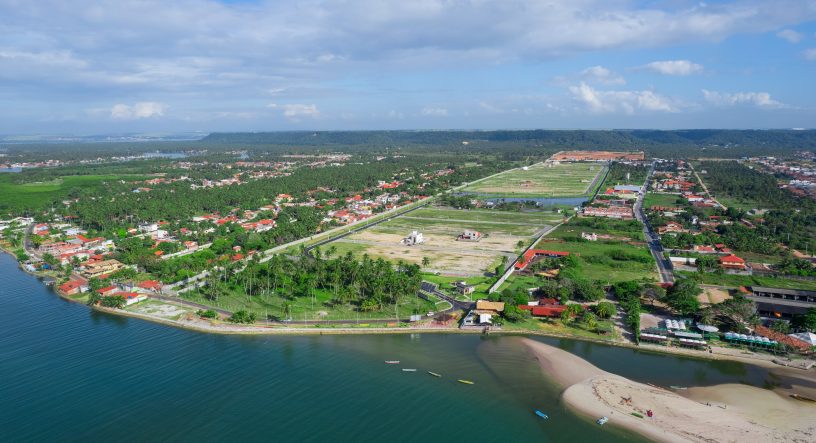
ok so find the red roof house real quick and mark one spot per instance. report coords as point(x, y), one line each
point(70, 287)
point(732, 262)
point(528, 256)
point(151, 285)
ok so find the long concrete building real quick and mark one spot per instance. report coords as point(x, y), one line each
point(780, 302)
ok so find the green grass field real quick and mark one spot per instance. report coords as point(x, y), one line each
point(655, 199)
point(597, 259)
point(562, 180)
point(31, 196)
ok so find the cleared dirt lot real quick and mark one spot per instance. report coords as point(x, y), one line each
point(447, 254)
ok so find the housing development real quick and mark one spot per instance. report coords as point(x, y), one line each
point(613, 245)
point(707, 256)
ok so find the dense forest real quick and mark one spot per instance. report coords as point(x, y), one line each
point(666, 144)
point(509, 144)
point(790, 220)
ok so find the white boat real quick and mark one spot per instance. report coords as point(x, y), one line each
point(408, 370)
point(602, 421)
point(392, 362)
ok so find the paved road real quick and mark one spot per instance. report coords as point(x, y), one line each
point(705, 188)
point(664, 266)
point(456, 304)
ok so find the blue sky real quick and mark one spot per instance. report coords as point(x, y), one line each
point(94, 67)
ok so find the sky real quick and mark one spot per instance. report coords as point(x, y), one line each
point(123, 66)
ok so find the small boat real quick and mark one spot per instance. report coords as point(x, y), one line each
point(392, 362)
point(802, 398)
point(467, 382)
point(434, 374)
point(602, 421)
point(678, 388)
point(408, 370)
point(542, 415)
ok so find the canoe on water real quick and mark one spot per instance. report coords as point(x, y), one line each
point(542, 415)
point(434, 374)
point(467, 382)
point(392, 362)
point(408, 370)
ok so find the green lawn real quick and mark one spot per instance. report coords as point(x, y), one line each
point(477, 215)
point(444, 283)
point(655, 199)
point(736, 281)
point(304, 308)
point(744, 204)
point(562, 180)
point(595, 257)
point(30, 196)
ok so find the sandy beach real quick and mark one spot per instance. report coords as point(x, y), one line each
point(737, 413)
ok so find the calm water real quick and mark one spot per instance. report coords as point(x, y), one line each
point(70, 374)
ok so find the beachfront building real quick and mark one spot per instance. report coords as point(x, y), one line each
point(100, 268)
point(780, 302)
point(483, 314)
point(73, 287)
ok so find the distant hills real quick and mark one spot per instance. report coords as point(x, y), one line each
point(727, 142)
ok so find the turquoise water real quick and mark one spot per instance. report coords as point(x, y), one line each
point(71, 374)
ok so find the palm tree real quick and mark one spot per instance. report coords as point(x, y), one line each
point(605, 309)
point(286, 310)
point(426, 262)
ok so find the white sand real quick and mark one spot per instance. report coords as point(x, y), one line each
point(752, 414)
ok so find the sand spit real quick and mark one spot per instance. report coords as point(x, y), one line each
point(724, 413)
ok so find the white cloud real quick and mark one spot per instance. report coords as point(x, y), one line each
point(435, 112)
point(294, 111)
point(602, 75)
point(137, 111)
point(675, 67)
point(626, 102)
point(810, 54)
point(790, 35)
point(758, 99)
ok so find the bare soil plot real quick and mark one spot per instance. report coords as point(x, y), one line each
point(712, 296)
point(440, 229)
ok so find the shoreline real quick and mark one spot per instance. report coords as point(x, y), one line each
point(702, 415)
point(223, 328)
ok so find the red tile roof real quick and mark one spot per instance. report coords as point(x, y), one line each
point(731, 259)
point(150, 284)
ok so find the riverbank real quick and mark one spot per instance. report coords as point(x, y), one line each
point(722, 413)
point(221, 327)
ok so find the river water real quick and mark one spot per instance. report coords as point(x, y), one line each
point(71, 374)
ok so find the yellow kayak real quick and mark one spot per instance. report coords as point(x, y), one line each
point(467, 382)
